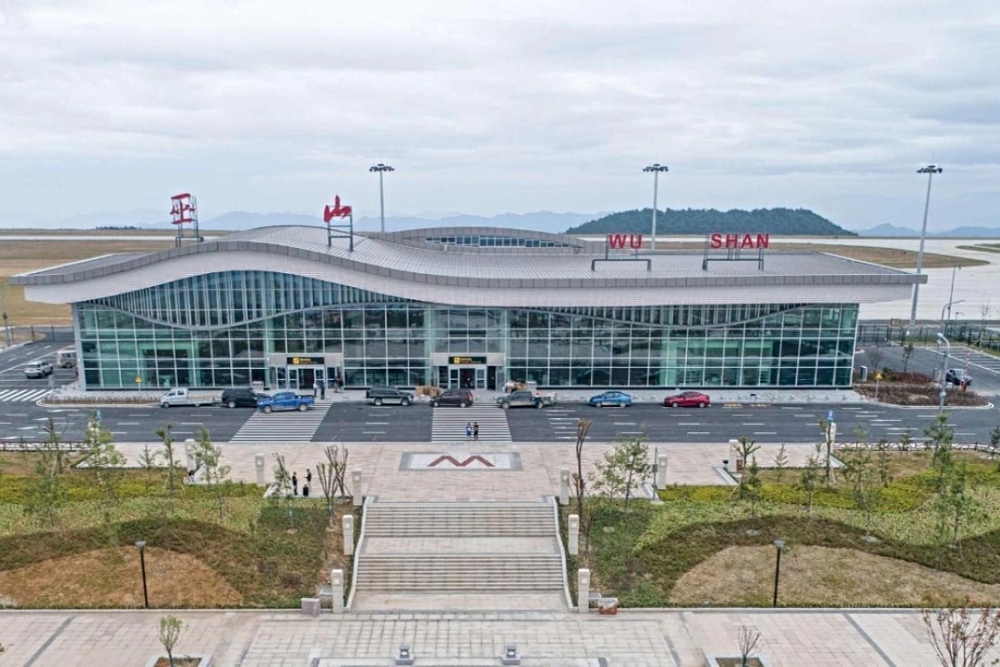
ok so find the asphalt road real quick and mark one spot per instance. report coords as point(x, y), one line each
point(361, 423)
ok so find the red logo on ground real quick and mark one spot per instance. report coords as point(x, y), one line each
point(455, 462)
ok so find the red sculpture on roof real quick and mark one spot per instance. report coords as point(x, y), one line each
point(337, 211)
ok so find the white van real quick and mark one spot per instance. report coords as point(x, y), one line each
point(66, 358)
point(182, 396)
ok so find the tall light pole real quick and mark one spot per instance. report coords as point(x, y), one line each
point(381, 169)
point(142, 560)
point(778, 545)
point(656, 168)
point(930, 170)
point(944, 371)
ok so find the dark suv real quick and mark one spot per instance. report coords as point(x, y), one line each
point(388, 395)
point(957, 376)
point(460, 397)
point(240, 397)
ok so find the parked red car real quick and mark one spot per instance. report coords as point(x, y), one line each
point(687, 399)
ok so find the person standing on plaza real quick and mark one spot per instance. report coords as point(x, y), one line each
point(315, 389)
point(322, 390)
point(309, 476)
point(475, 430)
point(295, 484)
point(468, 430)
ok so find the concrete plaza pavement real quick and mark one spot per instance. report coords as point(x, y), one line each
point(634, 638)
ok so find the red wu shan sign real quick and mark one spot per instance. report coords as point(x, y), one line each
point(719, 241)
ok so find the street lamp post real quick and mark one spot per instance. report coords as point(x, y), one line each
point(778, 545)
point(656, 168)
point(381, 169)
point(947, 307)
point(944, 371)
point(142, 563)
point(930, 170)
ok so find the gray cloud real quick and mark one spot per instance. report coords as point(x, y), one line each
point(494, 106)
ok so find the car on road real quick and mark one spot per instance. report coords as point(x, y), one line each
point(240, 397)
point(285, 400)
point(957, 376)
point(182, 396)
point(66, 358)
point(460, 397)
point(38, 369)
point(687, 399)
point(520, 399)
point(388, 396)
point(614, 398)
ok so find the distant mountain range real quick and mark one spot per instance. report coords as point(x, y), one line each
point(784, 221)
point(892, 231)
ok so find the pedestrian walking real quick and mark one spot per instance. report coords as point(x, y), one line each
point(295, 484)
point(475, 430)
point(468, 430)
point(309, 476)
point(322, 390)
point(315, 389)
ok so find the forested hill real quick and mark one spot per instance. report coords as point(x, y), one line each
point(791, 222)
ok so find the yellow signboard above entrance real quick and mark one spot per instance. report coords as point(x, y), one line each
point(305, 361)
point(464, 361)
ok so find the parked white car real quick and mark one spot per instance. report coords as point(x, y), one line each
point(38, 369)
point(182, 396)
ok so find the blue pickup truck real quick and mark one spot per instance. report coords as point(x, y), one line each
point(285, 400)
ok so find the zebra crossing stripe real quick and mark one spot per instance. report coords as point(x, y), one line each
point(449, 424)
point(291, 426)
point(17, 395)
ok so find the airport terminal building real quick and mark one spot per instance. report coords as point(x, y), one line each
point(473, 307)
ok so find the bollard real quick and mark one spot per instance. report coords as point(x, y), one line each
point(258, 460)
point(337, 591)
point(348, 522)
point(356, 487)
point(189, 457)
point(574, 535)
point(583, 590)
point(661, 471)
point(564, 486)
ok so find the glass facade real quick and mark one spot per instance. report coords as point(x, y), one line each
point(216, 330)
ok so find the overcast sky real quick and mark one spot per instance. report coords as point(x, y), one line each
point(491, 106)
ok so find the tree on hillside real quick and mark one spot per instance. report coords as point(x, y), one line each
point(808, 479)
point(780, 462)
point(826, 449)
point(165, 434)
point(106, 463)
point(745, 449)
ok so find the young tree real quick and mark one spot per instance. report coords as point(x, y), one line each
point(808, 479)
point(752, 486)
point(166, 435)
point(106, 463)
point(147, 459)
point(745, 449)
point(169, 634)
point(963, 636)
point(748, 639)
point(882, 461)
point(780, 462)
point(209, 456)
point(995, 440)
point(53, 443)
point(862, 473)
point(826, 449)
point(875, 353)
point(331, 476)
point(48, 494)
point(624, 469)
point(582, 430)
point(905, 442)
point(907, 354)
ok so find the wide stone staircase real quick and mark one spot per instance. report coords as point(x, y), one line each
point(489, 555)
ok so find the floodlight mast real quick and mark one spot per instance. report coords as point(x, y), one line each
point(656, 168)
point(930, 170)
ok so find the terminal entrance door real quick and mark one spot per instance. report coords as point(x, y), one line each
point(304, 377)
point(466, 377)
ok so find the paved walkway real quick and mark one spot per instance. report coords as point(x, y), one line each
point(384, 475)
point(675, 638)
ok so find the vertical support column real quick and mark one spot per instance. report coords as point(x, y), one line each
point(356, 487)
point(189, 459)
point(583, 590)
point(661, 471)
point(573, 531)
point(348, 523)
point(258, 461)
point(564, 486)
point(337, 591)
